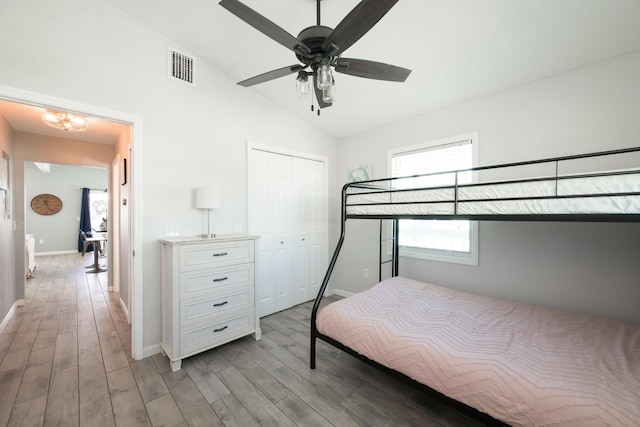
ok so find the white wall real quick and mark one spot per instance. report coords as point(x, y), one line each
point(584, 267)
point(191, 136)
point(59, 232)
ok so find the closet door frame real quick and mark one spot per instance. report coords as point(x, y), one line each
point(252, 147)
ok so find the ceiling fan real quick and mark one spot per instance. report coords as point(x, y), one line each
point(320, 48)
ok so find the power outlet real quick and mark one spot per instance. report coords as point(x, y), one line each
point(366, 273)
point(41, 241)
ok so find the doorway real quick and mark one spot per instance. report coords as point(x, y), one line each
point(133, 123)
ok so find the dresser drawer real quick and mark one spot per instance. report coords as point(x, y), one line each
point(215, 255)
point(196, 282)
point(196, 309)
point(209, 335)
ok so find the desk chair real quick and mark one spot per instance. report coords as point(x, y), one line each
point(88, 241)
point(97, 244)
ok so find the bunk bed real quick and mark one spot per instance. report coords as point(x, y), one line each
point(503, 362)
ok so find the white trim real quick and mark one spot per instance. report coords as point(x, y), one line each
point(39, 99)
point(70, 251)
point(137, 257)
point(125, 310)
point(151, 350)
point(7, 318)
point(472, 136)
point(114, 225)
point(285, 152)
point(461, 258)
point(341, 293)
point(443, 256)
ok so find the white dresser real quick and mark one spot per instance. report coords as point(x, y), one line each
point(208, 293)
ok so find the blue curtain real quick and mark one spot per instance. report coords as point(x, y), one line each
point(85, 219)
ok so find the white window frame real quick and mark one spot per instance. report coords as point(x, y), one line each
point(468, 258)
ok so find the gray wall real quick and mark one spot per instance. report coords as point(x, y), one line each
point(591, 267)
point(59, 231)
point(584, 267)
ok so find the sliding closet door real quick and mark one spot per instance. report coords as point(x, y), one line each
point(287, 209)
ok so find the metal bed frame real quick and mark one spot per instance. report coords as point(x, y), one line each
point(385, 186)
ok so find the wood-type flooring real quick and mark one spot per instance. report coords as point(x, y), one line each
point(65, 360)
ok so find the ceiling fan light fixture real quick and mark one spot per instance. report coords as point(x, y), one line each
point(303, 89)
point(324, 77)
point(329, 94)
point(65, 121)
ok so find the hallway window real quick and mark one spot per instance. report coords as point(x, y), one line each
point(98, 205)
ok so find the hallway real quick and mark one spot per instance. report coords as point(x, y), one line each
point(60, 351)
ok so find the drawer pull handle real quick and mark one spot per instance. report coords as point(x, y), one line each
point(221, 254)
point(220, 304)
point(222, 279)
point(220, 329)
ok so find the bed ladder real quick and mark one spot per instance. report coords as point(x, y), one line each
point(388, 236)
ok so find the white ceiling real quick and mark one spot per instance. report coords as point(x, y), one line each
point(458, 50)
point(28, 118)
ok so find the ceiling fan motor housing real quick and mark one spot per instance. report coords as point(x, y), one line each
point(313, 38)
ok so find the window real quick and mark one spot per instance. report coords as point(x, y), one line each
point(445, 240)
point(98, 202)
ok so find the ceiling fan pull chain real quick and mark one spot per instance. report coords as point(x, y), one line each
point(312, 96)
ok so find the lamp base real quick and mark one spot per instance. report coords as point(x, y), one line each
point(209, 236)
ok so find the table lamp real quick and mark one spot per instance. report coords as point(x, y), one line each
point(208, 198)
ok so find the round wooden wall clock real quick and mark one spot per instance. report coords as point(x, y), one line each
point(46, 204)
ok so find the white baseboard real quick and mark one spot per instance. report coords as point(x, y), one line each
point(342, 293)
point(329, 292)
point(55, 253)
point(125, 310)
point(151, 350)
point(6, 319)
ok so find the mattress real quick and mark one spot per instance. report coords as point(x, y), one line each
point(521, 364)
point(591, 195)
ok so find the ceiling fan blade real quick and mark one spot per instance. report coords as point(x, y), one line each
point(372, 70)
point(356, 24)
point(263, 25)
point(318, 92)
point(272, 75)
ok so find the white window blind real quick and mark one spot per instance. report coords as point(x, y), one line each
point(450, 157)
point(432, 238)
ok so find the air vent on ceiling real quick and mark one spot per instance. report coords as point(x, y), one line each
point(181, 66)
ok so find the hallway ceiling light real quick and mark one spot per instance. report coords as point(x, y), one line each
point(65, 121)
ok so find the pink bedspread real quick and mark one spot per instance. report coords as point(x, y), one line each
point(521, 364)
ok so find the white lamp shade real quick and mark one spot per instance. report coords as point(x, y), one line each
point(208, 198)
